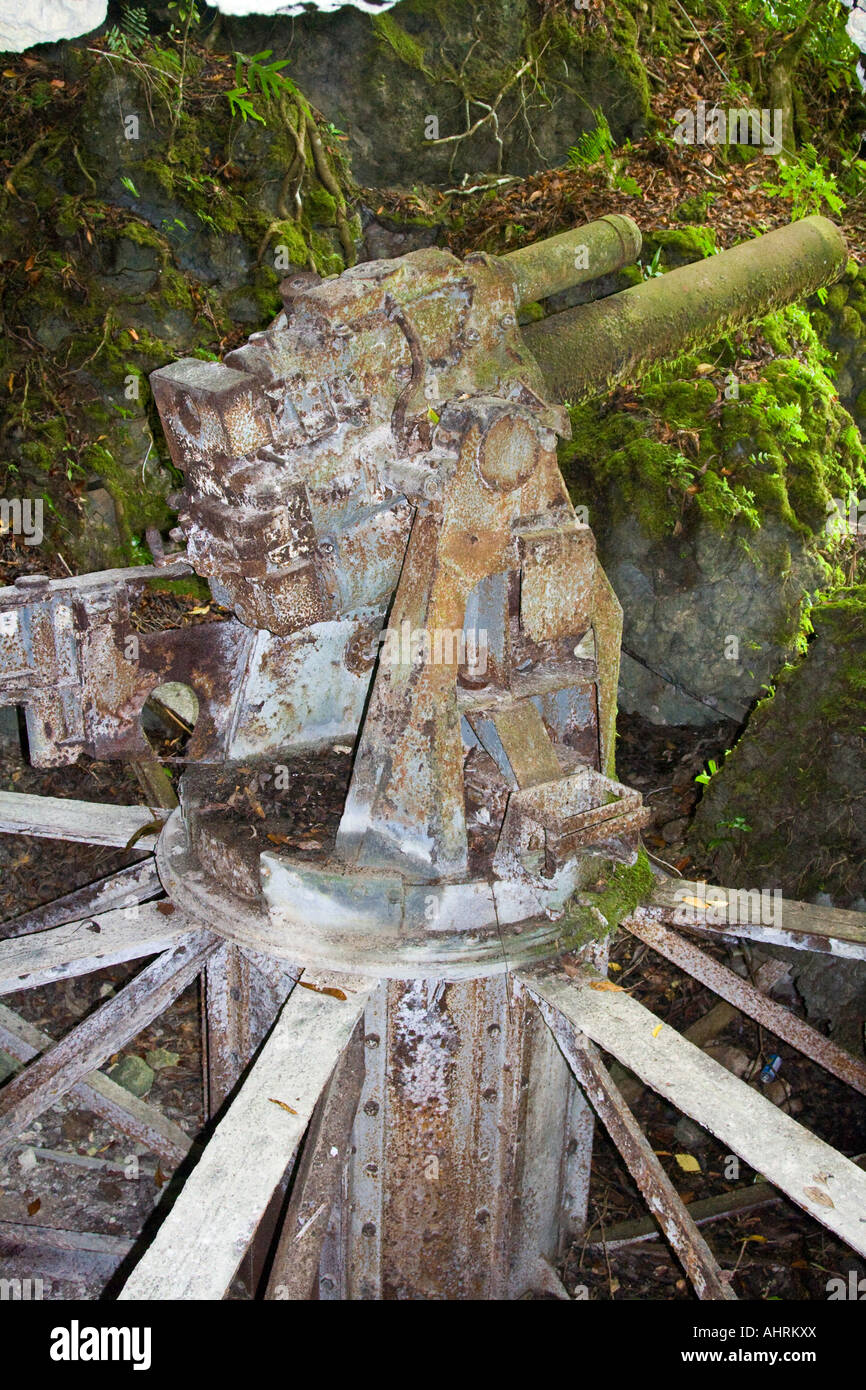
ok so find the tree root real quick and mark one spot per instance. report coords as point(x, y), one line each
point(329, 182)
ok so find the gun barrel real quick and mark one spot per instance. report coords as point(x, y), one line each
point(588, 349)
point(572, 258)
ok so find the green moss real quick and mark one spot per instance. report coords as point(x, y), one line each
point(626, 889)
point(407, 48)
point(531, 313)
point(696, 209)
point(781, 449)
point(595, 911)
point(850, 322)
point(321, 206)
point(680, 245)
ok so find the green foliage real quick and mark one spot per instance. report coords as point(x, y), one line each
point(808, 183)
point(594, 146)
point(254, 73)
point(785, 416)
point(624, 183)
point(132, 31)
point(712, 768)
point(187, 12)
point(825, 41)
point(651, 269)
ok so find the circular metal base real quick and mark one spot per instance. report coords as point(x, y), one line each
point(372, 923)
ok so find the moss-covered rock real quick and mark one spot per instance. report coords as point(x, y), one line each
point(142, 226)
point(839, 318)
point(398, 81)
point(797, 778)
point(787, 809)
point(709, 490)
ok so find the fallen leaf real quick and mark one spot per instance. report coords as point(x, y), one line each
point(606, 985)
point(612, 965)
point(323, 989)
point(159, 1177)
point(33, 1207)
point(282, 1105)
point(822, 1198)
point(165, 908)
point(688, 1163)
point(658, 1028)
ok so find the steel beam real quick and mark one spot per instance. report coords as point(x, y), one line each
point(743, 995)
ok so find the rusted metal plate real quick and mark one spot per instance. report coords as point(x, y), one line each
point(240, 1006)
point(516, 737)
point(557, 580)
point(457, 1188)
point(546, 825)
point(319, 1181)
point(749, 1000)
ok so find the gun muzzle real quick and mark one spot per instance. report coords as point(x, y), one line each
point(586, 350)
point(573, 258)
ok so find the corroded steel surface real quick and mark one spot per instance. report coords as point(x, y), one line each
point(371, 487)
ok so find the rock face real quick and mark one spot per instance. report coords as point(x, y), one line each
point(709, 493)
point(142, 227)
point(705, 617)
point(797, 778)
point(145, 221)
point(399, 81)
point(841, 324)
point(788, 807)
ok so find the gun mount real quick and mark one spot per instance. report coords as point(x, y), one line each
point(371, 489)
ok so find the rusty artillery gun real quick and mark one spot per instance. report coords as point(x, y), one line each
point(371, 490)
